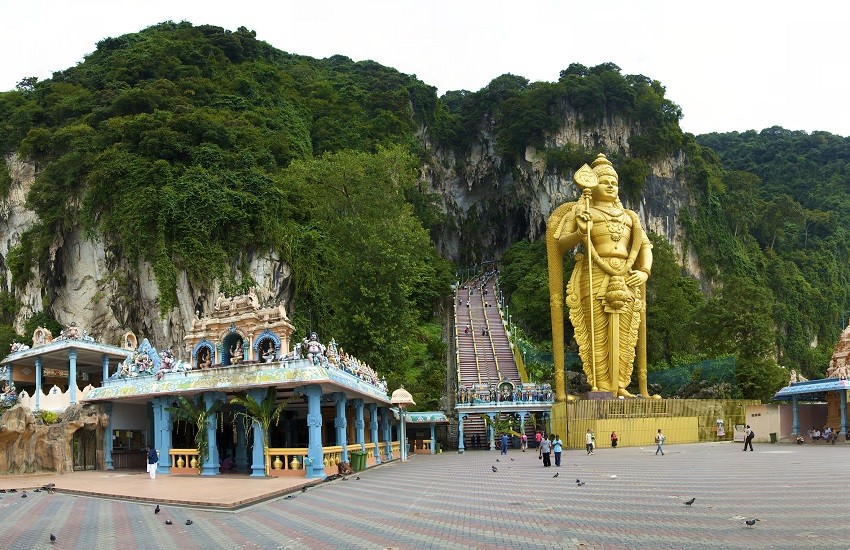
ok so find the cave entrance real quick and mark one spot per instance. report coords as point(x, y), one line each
point(85, 450)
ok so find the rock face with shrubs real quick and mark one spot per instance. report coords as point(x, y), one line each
point(30, 443)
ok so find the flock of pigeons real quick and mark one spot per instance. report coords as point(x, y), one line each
point(580, 483)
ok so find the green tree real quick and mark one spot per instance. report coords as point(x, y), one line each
point(263, 412)
point(198, 415)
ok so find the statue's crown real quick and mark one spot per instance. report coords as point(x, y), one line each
point(603, 167)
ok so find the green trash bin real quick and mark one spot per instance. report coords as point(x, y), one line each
point(773, 437)
point(358, 460)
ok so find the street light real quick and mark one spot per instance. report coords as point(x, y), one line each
point(402, 398)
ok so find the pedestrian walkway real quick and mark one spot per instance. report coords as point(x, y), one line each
point(630, 498)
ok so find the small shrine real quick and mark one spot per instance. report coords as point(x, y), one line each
point(239, 331)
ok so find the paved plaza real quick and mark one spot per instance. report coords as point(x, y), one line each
point(630, 499)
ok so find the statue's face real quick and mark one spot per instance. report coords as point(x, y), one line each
point(607, 190)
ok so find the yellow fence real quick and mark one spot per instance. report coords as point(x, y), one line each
point(636, 421)
point(185, 461)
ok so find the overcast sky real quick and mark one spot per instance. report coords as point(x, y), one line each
point(730, 65)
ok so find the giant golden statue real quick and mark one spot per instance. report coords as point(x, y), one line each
point(607, 288)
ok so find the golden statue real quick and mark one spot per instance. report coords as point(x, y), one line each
point(606, 291)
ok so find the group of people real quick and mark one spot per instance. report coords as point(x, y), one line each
point(828, 434)
point(547, 447)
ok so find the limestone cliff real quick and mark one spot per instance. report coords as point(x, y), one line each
point(29, 445)
point(92, 284)
point(490, 202)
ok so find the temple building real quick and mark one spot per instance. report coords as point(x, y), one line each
point(335, 407)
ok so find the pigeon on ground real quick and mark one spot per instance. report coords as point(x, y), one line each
point(689, 502)
point(37, 491)
point(2, 490)
point(512, 460)
point(188, 522)
point(48, 486)
point(24, 495)
point(288, 497)
point(580, 483)
point(168, 522)
point(556, 475)
point(303, 489)
point(494, 468)
point(52, 538)
point(750, 522)
point(13, 490)
point(578, 480)
point(156, 510)
point(357, 478)
point(497, 460)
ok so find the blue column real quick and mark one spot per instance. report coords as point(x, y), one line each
point(107, 438)
point(373, 430)
point(211, 465)
point(460, 447)
point(72, 375)
point(314, 463)
point(162, 433)
point(795, 422)
point(385, 427)
point(359, 424)
point(433, 443)
point(258, 459)
point(842, 395)
point(38, 377)
point(490, 433)
point(340, 424)
point(241, 444)
point(105, 362)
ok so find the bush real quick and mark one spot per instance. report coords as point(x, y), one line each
point(49, 417)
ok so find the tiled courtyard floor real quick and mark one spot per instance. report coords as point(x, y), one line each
point(631, 499)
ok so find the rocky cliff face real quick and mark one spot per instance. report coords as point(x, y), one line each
point(28, 445)
point(491, 203)
point(90, 283)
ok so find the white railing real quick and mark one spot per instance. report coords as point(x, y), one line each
point(54, 400)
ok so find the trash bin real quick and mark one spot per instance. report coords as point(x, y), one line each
point(358, 460)
point(773, 437)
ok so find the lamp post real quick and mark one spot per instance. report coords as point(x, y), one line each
point(402, 398)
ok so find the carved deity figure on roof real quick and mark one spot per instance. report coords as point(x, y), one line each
point(315, 349)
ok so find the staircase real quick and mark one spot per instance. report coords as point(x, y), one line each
point(484, 353)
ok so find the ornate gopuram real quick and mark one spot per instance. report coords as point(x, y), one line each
point(235, 398)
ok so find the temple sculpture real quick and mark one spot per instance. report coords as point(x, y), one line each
point(606, 291)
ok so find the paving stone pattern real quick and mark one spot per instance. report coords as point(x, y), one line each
point(456, 501)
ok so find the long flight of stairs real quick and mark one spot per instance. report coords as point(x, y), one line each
point(483, 357)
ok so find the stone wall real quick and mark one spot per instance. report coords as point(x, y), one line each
point(28, 445)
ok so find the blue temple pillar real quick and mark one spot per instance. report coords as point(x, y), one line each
point(385, 427)
point(491, 437)
point(72, 375)
point(212, 464)
point(795, 417)
point(161, 433)
point(842, 395)
point(460, 446)
point(107, 437)
point(340, 424)
point(104, 360)
point(38, 387)
point(258, 458)
point(241, 444)
point(433, 439)
point(359, 424)
point(373, 430)
point(314, 463)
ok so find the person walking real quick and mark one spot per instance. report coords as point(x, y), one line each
point(537, 439)
point(523, 439)
point(659, 440)
point(153, 459)
point(614, 440)
point(749, 439)
point(504, 442)
point(546, 451)
point(557, 446)
point(588, 441)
